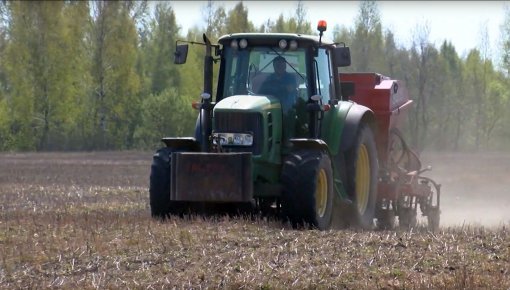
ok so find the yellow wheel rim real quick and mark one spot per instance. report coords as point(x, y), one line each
point(321, 193)
point(362, 179)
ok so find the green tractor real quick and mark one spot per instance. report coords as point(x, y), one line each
point(281, 134)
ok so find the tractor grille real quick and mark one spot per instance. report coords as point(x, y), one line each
point(241, 122)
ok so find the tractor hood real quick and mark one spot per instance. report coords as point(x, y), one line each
point(259, 117)
point(248, 103)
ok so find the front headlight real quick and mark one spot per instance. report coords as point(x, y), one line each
point(233, 139)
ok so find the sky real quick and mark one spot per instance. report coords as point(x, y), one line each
point(460, 22)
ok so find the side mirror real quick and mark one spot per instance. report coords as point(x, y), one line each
point(181, 53)
point(342, 56)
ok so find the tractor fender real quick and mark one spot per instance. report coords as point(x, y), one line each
point(356, 115)
point(179, 143)
point(305, 143)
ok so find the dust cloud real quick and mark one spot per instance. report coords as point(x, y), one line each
point(475, 187)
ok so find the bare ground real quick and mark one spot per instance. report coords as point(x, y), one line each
point(81, 220)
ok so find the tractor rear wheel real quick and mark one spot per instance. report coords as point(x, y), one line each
point(362, 168)
point(308, 194)
point(159, 190)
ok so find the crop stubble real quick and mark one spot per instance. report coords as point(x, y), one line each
point(81, 220)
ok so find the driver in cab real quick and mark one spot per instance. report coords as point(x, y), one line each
point(280, 84)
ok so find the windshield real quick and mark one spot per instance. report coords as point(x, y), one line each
point(265, 71)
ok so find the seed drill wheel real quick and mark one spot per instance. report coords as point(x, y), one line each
point(362, 167)
point(159, 191)
point(430, 204)
point(308, 194)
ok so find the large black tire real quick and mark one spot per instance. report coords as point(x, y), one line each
point(362, 169)
point(308, 193)
point(159, 190)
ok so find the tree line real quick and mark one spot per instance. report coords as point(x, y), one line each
point(99, 75)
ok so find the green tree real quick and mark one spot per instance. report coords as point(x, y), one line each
point(237, 20)
point(395, 58)
point(77, 23)
point(473, 75)
point(498, 102)
point(16, 63)
point(505, 42)
point(293, 24)
point(116, 83)
point(450, 105)
point(162, 46)
point(303, 26)
point(505, 67)
point(216, 19)
point(282, 25)
point(342, 34)
point(166, 110)
point(422, 85)
point(5, 135)
point(164, 114)
point(482, 102)
point(367, 39)
point(44, 86)
point(192, 73)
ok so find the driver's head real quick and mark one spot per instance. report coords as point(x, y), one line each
point(279, 64)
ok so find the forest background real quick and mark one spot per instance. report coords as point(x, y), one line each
point(99, 75)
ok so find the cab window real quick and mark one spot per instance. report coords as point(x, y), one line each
point(324, 75)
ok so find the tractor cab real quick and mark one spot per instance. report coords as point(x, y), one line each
point(289, 68)
point(253, 69)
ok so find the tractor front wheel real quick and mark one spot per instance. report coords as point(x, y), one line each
point(308, 194)
point(159, 190)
